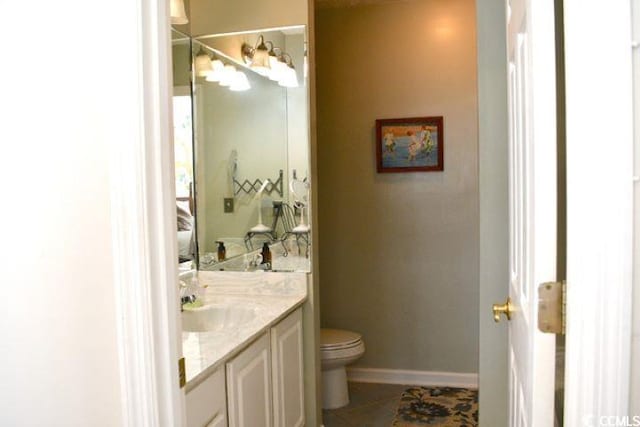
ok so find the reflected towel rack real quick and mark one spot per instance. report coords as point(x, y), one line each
point(249, 187)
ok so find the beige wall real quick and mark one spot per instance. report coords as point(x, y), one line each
point(224, 16)
point(61, 327)
point(399, 252)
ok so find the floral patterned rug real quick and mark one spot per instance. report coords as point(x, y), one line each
point(437, 406)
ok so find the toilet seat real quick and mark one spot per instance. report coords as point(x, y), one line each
point(354, 351)
point(336, 344)
point(335, 339)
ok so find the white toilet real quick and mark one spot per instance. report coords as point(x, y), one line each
point(338, 348)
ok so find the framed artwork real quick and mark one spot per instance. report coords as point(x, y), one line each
point(410, 145)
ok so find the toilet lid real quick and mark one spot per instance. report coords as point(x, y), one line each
point(337, 338)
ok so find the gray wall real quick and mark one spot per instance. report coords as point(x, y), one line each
point(181, 62)
point(224, 16)
point(399, 252)
point(254, 123)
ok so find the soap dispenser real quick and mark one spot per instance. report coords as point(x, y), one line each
point(222, 251)
point(266, 254)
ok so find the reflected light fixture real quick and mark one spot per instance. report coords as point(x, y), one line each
point(216, 74)
point(228, 75)
point(288, 77)
point(203, 63)
point(260, 60)
point(240, 82)
point(178, 15)
point(280, 65)
point(276, 65)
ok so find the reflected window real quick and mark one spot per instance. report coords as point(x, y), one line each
point(182, 137)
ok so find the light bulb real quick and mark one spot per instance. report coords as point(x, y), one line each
point(289, 77)
point(203, 64)
point(276, 68)
point(228, 73)
point(240, 82)
point(216, 74)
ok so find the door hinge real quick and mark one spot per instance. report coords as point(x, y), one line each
point(552, 307)
point(182, 373)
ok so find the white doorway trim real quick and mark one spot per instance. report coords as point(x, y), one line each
point(599, 209)
point(144, 237)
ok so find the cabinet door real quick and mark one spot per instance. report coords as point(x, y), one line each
point(287, 371)
point(249, 386)
point(206, 404)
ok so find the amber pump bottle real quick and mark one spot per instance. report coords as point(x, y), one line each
point(222, 251)
point(266, 254)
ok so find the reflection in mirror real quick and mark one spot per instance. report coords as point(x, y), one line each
point(251, 138)
point(183, 145)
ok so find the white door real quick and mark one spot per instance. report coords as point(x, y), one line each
point(532, 206)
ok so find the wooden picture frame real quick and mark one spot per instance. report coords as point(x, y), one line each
point(413, 144)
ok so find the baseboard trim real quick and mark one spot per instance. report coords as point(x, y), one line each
point(423, 378)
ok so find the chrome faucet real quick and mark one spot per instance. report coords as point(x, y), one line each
point(185, 300)
point(256, 264)
point(187, 295)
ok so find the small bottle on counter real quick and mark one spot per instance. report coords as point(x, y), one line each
point(222, 251)
point(266, 254)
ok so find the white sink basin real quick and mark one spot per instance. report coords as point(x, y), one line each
point(216, 318)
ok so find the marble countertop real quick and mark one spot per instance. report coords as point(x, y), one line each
point(295, 261)
point(270, 295)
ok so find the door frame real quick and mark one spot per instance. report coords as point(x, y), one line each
point(144, 240)
point(599, 210)
point(493, 171)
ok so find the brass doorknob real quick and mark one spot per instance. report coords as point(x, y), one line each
point(506, 309)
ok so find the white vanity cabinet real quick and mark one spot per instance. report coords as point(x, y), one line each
point(249, 386)
point(262, 386)
point(265, 383)
point(287, 371)
point(206, 404)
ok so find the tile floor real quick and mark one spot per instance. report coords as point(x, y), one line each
point(371, 405)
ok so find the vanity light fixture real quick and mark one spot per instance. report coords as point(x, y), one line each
point(280, 66)
point(260, 58)
point(178, 15)
point(203, 63)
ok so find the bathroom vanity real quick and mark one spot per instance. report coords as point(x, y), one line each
point(243, 159)
point(243, 349)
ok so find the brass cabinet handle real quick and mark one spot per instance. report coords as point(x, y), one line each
point(506, 309)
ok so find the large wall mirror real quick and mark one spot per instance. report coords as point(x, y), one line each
point(250, 191)
point(183, 145)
